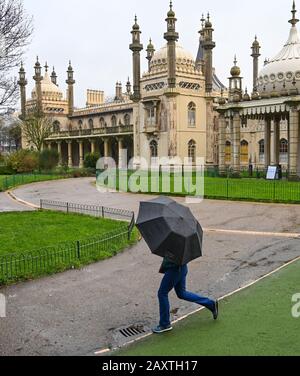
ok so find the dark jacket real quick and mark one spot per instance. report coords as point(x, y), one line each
point(166, 265)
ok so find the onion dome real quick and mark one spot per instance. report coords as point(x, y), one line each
point(285, 66)
point(235, 70)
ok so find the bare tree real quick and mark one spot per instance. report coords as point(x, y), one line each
point(16, 28)
point(36, 128)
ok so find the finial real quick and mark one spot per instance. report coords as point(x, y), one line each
point(294, 20)
point(208, 17)
point(202, 21)
point(171, 5)
point(235, 60)
point(46, 67)
point(135, 18)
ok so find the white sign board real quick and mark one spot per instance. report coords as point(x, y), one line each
point(272, 173)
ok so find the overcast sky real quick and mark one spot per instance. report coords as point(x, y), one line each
point(95, 35)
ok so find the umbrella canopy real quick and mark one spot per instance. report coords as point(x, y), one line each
point(170, 230)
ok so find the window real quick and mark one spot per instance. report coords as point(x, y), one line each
point(102, 122)
point(261, 151)
point(56, 126)
point(127, 119)
point(228, 152)
point(80, 124)
point(151, 120)
point(114, 121)
point(244, 152)
point(284, 149)
point(153, 149)
point(284, 146)
point(192, 115)
point(192, 151)
point(261, 147)
point(91, 124)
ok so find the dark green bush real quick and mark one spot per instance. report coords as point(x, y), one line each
point(48, 159)
point(90, 160)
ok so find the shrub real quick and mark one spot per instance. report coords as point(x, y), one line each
point(23, 161)
point(48, 159)
point(90, 160)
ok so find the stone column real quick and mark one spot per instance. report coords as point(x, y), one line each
point(81, 156)
point(59, 153)
point(93, 146)
point(70, 159)
point(236, 143)
point(106, 148)
point(222, 144)
point(267, 143)
point(121, 156)
point(293, 142)
point(276, 141)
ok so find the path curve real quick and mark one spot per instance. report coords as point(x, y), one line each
point(76, 312)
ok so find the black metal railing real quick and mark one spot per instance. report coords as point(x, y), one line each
point(61, 256)
point(69, 254)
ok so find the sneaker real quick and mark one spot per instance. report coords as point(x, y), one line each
point(216, 310)
point(159, 329)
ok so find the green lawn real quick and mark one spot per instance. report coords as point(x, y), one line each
point(45, 242)
point(256, 321)
point(222, 188)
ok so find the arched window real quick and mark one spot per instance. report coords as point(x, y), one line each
point(228, 152)
point(56, 126)
point(284, 149)
point(113, 121)
point(127, 119)
point(192, 151)
point(261, 150)
point(102, 122)
point(192, 115)
point(284, 146)
point(244, 152)
point(80, 123)
point(153, 149)
point(91, 124)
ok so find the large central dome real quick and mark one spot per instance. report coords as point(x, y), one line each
point(49, 90)
point(283, 71)
point(184, 60)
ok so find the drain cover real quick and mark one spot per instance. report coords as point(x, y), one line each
point(132, 331)
point(126, 334)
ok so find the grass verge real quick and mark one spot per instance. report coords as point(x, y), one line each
point(257, 321)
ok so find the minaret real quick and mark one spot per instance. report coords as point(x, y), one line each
point(200, 54)
point(255, 55)
point(38, 79)
point(54, 77)
point(128, 87)
point(235, 83)
point(22, 83)
point(70, 82)
point(171, 36)
point(208, 45)
point(150, 52)
point(136, 47)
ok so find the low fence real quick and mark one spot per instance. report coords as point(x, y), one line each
point(70, 254)
point(253, 190)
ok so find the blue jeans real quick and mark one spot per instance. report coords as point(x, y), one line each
point(176, 278)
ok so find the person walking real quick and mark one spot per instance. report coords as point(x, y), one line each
point(175, 278)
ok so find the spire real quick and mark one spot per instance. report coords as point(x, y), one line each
point(150, 52)
point(294, 20)
point(46, 67)
point(54, 77)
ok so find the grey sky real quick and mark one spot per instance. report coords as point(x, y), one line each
point(95, 35)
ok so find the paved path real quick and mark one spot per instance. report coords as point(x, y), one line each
point(77, 312)
point(8, 205)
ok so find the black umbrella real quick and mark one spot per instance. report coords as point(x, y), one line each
point(170, 230)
